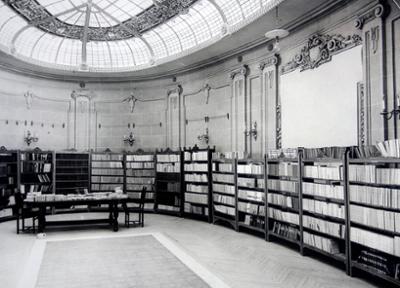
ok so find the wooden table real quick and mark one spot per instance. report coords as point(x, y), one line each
point(112, 220)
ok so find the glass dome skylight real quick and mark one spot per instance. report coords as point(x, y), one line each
point(118, 35)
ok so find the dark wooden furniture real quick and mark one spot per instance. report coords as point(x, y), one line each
point(112, 204)
point(24, 212)
point(139, 209)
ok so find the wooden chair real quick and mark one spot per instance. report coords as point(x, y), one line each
point(138, 210)
point(23, 212)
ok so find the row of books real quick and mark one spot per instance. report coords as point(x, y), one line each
point(193, 209)
point(196, 178)
point(251, 195)
point(254, 221)
point(107, 157)
point(138, 180)
point(322, 190)
point(198, 167)
point(247, 182)
point(251, 208)
point(377, 196)
point(168, 158)
point(43, 188)
point(286, 231)
point(287, 169)
point(140, 165)
point(140, 173)
point(228, 189)
point(386, 220)
point(328, 245)
point(173, 187)
point(105, 187)
point(373, 174)
point(31, 156)
point(35, 167)
point(389, 148)
point(324, 152)
point(251, 168)
point(196, 198)
point(324, 208)
point(43, 178)
point(7, 180)
point(111, 172)
point(107, 164)
point(6, 169)
point(137, 195)
point(196, 156)
point(283, 201)
point(225, 155)
point(197, 188)
point(282, 153)
point(175, 208)
point(224, 199)
point(380, 242)
point(224, 178)
point(283, 216)
point(328, 171)
point(225, 209)
point(140, 158)
point(283, 185)
point(222, 167)
point(169, 168)
point(139, 187)
point(323, 226)
point(107, 179)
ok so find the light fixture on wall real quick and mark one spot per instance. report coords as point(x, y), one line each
point(204, 138)
point(29, 138)
point(252, 132)
point(129, 139)
point(276, 33)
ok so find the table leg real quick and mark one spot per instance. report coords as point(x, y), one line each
point(42, 219)
point(115, 217)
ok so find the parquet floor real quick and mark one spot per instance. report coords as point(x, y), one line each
point(238, 259)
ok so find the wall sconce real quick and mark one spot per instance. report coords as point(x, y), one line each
point(204, 138)
point(252, 132)
point(129, 139)
point(30, 139)
point(388, 115)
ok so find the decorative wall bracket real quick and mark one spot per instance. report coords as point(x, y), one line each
point(204, 138)
point(252, 132)
point(29, 138)
point(129, 139)
point(319, 50)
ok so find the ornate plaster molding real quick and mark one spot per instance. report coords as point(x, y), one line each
point(178, 90)
point(319, 50)
point(158, 13)
point(375, 12)
point(273, 60)
point(239, 71)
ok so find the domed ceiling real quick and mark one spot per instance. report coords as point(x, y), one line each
point(118, 35)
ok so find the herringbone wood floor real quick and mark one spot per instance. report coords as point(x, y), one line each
point(239, 259)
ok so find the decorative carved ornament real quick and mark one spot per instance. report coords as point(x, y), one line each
point(239, 71)
point(361, 114)
point(177, 90)
point(158, 13)
point(319, 50)
point(274, 60)
point(375, 12)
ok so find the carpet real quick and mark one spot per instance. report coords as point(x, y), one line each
point(120, 262)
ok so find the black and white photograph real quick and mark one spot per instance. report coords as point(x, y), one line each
point(199, 143)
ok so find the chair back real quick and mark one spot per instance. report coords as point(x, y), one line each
point(143, 197)
point(19, 201)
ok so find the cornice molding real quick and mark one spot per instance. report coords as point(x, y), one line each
point(376, 11)
point(319, 50)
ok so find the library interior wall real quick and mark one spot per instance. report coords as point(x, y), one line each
point(226, 98)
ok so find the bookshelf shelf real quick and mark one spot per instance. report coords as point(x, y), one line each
point(9, 182)
point(140, 172)
point(168, 182)
point(197, 178)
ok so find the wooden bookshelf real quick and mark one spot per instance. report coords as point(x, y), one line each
point(374, 224)
point(284, 221)
point(324, 209)
point(72, 173)
point(197, 183)
point(224, 192)
point(9, 179)
point(36, 171)
point(107, 171)
point(251, 196)
point(169, 167)
point(140, 171)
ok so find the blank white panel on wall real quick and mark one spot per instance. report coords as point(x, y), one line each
point(319, 106)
